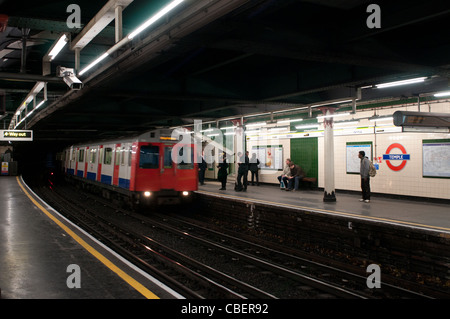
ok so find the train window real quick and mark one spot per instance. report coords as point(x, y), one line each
point(93, 156)
point(167, 157)
point(190, 163)
point(81, 156)
point(108, 156)
point(149, 156)
point(116, 162)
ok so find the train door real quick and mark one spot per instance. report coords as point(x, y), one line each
point(99, 165)
point(80, 161)
point(86, 161)
point(107, 166)
point(116, 165)
point(167, 167)
point(125, 165)
point(91, 162)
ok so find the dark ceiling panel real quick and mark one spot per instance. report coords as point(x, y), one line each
point(260, 55)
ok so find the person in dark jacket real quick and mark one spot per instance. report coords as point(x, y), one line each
point(223, 172)
point(297, 175)
point(253, 167)
point(243, 162)
point(365, 177)
point(201, 171)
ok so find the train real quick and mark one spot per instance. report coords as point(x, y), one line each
point(151, 169)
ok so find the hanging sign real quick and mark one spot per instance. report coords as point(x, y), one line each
point(16, 135)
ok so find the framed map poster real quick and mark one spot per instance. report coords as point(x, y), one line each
point(353, 161)
point(436, 158)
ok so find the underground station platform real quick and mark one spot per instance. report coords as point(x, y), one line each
point(44, 256)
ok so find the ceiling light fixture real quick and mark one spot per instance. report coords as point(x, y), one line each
point(97, 61)
point(288, 121)
point(255, 124)
point(446, 93)
point(332, 115)
point(403, 82)
point(60, 44)
point(381, 118)
point(155, 18)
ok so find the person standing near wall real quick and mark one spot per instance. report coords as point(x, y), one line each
point(253, 167)
point(365, 178)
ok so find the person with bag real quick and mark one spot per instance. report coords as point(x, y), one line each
point(365, 177)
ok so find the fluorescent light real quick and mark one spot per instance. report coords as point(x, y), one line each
point(255, 124)
point(154, 18)
point(229, 133)
point(228, 127)
point(446, 93)
point(333, 115)
point(40, 104)
point(381, 118)
point(403, 82)
point(60, 44)
point(97, 61)
point(253, 132)
point(289, 121)
point(332, 102)
point(207, 130)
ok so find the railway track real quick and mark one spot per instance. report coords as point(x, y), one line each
point(200, 262)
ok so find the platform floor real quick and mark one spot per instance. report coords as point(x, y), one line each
point(411, 213)
point(37, 246)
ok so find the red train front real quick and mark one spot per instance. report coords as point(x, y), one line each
point(153, 168)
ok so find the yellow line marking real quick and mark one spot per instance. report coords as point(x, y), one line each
point(329, 211)
point(131, 281)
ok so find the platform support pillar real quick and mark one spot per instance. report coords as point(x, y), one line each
point(329, 186)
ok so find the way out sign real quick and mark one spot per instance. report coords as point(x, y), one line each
point(16, 135)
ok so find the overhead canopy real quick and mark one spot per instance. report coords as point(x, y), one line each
point(218, 59)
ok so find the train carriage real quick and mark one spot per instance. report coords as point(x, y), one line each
point(143, 169)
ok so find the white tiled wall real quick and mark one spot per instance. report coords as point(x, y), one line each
point(409, 180)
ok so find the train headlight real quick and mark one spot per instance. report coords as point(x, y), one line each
point(185, 193)
point(147, 194)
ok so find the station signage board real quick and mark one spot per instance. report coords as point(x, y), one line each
point(16, 135)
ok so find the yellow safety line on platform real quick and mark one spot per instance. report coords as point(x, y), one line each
point(329, 211)
point(131, 281)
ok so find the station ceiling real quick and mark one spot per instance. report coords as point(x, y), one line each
point(211, 59)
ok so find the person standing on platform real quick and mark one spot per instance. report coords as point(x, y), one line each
point(253, 167)
point(201, 171)
point(243, 162)
point(223, 172)
point(365, 178)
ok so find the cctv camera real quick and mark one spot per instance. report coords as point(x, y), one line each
point(68, 75)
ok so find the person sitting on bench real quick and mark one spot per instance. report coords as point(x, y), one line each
point(297, 175)
point(283, 178)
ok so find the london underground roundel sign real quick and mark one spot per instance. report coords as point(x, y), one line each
point(403, 157)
